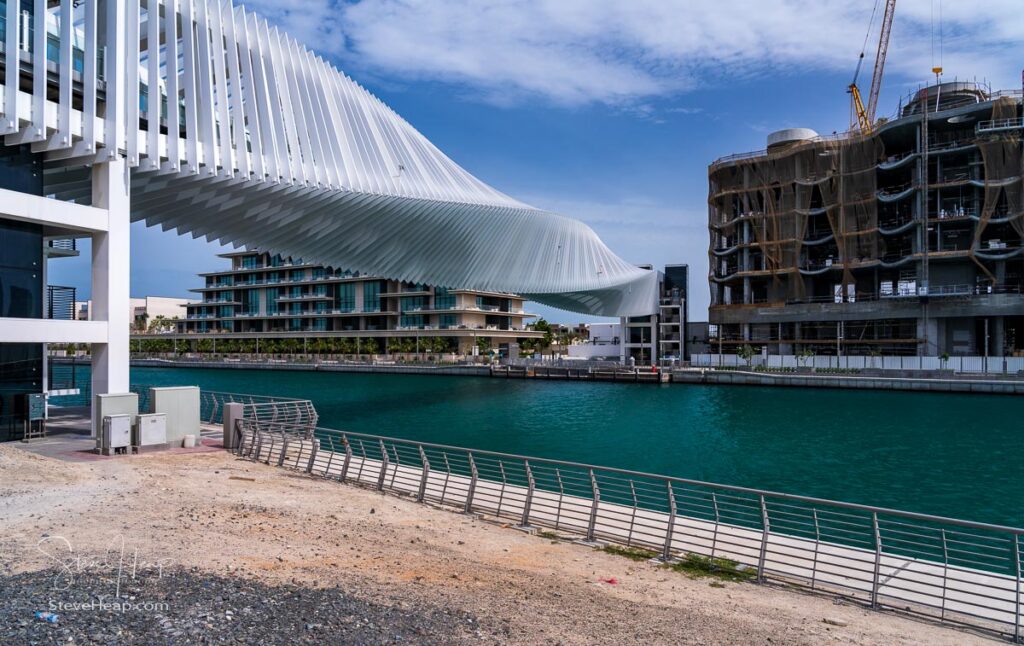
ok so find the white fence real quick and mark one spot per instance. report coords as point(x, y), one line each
point(976, 365)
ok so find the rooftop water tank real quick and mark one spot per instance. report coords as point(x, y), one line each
point(788, 136)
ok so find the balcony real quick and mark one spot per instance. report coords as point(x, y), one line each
point(61, 248)
point(60, 303)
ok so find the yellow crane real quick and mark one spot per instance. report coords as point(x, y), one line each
point(866, 115)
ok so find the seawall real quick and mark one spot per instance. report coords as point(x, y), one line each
point(744, 378)
point(464, 371)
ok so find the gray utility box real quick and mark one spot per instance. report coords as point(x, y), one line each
point(150, 432)
point(116, 434)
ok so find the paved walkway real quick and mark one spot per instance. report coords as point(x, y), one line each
point(69, 438)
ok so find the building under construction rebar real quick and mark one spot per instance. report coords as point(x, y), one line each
point(904, 241)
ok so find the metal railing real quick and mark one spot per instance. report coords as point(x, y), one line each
point(957, 571)
point(60, 303)
point(270, 412)
point(976, 365)
point(1000, 124)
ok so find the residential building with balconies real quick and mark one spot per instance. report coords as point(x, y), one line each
point(267, 296)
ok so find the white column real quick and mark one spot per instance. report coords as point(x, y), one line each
point(110, 278)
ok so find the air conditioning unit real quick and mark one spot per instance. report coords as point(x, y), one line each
point(116, 435)
point(150, 432)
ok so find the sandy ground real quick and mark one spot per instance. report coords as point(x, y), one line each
point(217, 514)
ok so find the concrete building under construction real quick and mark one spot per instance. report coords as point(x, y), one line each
point(903, 241)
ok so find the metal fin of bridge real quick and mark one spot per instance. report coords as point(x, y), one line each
point(264, 143)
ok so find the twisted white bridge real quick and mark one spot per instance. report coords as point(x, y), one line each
point(235, 132)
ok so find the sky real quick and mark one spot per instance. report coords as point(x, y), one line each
point(611, 111)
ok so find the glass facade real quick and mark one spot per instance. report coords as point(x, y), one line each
point(371, 296)
point(21, 372)
point(443, 300)
point(21, 270)
point(413, 320)
point(346, 297)
point(252, 302)
point(446, 321)
point(413, 303)
point(21, 293)
point(272, 300)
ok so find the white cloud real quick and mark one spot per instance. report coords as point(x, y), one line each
point(575, 52)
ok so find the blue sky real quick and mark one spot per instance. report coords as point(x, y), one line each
point(607, 111)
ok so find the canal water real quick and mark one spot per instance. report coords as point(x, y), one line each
point(944, 454)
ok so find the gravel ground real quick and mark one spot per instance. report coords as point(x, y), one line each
point(193, 607)
point(300, 547)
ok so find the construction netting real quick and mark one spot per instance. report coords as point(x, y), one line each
point(780, 191)
point(1001, 154)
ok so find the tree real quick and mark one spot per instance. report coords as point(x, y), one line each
point(746, 352)
point(805, 355)
point(159, 324)
point(541, 325)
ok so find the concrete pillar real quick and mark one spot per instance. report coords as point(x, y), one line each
point(997, 333)
point(928, 329)
point(110, 278)
point(231, 413)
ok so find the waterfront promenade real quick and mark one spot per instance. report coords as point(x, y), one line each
point(218, 523)
point(805, 542)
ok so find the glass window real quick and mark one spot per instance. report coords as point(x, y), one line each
point(371, 296)
point(443, 300)
point(272, 300)
point(252, 302)
point(415, 320)
point(449, 321)
point(346, 299)
point(413, 303)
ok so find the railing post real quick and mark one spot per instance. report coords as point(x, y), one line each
point(259, 444)
point(561, 498)
point(312, 455)
point(348, 459)
point(875, 582)
point(764, 540)
point(426, 474)
point(666, 551)
point(284, 449)
point(593, 506)
point(1017, 620)
point(718, 520)
point(525, 522)
point(945, 572)
point(239, 438)
point(473, 476)
point(330, 456)
point(817, 548)
point(383, 466)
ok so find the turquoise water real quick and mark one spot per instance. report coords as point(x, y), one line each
point(951, 455)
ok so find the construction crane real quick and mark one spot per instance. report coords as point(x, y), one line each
point(866, 115)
